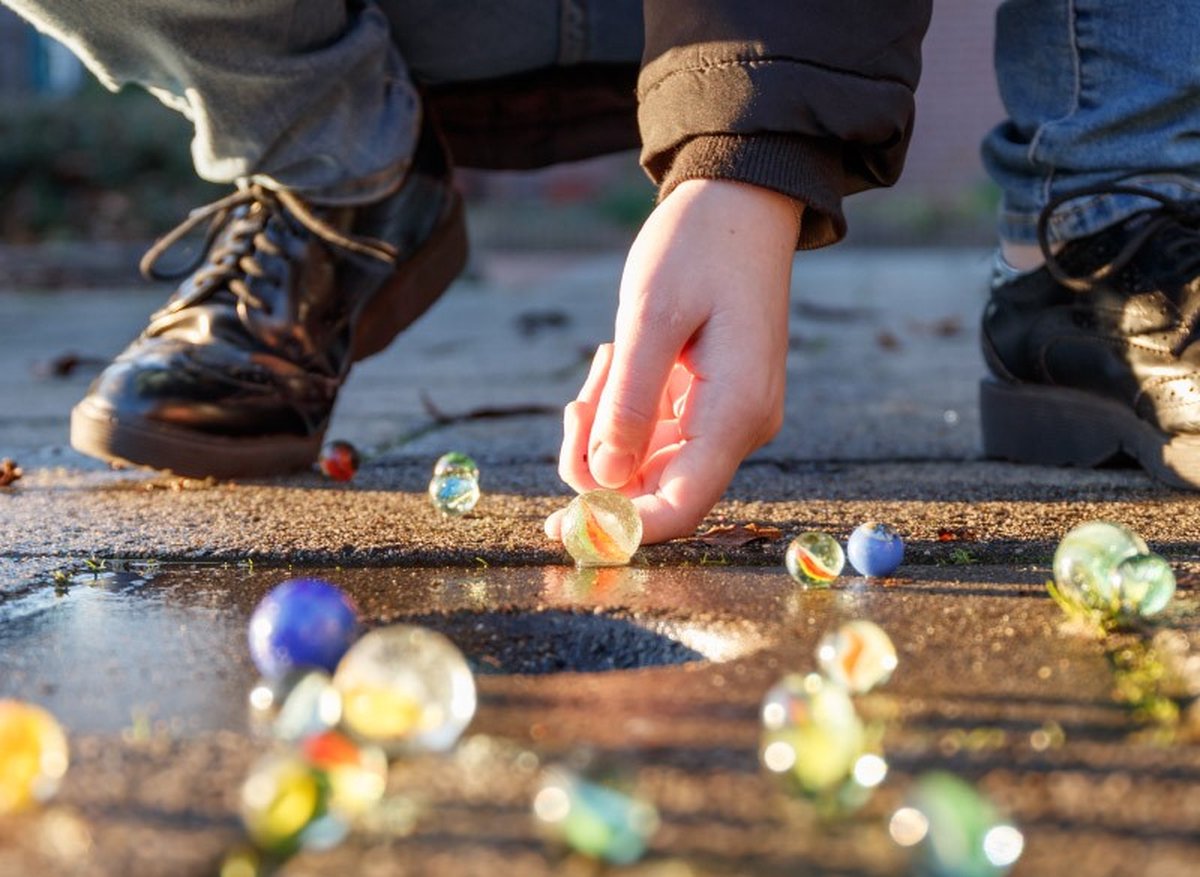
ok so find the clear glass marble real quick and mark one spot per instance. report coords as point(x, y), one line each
point(596, 813)
point(454, 493)
point(601, 528)
point(455, 463)
point(812, 734)
point(954, 830)
point(299, 705)
point(814, 559)
point(1086, 560)
point(857, 656)
point(406, 689)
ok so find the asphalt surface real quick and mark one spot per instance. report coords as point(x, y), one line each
point(124, 597)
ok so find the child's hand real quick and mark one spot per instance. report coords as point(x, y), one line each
point(695, 378)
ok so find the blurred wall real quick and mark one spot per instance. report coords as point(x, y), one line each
point(15, 62)
point(957, 101)
point(34, 64)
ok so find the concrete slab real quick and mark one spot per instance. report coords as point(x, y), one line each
point(883, 365)
point(881, 422)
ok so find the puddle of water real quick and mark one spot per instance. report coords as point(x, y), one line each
point(164, 647)
point(110, 650)
point(167, 644)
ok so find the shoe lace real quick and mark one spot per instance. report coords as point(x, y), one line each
point(235, 260)
point(1182, 247)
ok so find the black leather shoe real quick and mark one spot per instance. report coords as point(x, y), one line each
point(237, 374)
point(1097, 354)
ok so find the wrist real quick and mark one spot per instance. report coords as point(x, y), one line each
point(741, 206)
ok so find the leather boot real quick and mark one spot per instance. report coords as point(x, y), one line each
point(238, 373)
point(1095, 356)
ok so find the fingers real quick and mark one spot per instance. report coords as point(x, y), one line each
point(693, 460)
point(579, 416)
point(577, 423)
point(553, 525)
point(721, 424)
point(628, 410)
point(597, 374)
point(646, 480)
point(689, 484)
point(644, 355)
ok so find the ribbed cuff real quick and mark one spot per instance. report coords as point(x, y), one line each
point(806, 169)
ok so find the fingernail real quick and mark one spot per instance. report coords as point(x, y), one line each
point(611, 468)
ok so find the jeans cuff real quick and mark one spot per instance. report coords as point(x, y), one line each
point(1088, 214)
point(362, 190)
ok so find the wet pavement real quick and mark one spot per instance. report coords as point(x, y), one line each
point(124, 598)
point(666, 666)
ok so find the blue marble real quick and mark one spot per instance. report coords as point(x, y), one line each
point(301, 623)
point(875, 549)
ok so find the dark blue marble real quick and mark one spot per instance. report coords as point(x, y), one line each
point(301, 623)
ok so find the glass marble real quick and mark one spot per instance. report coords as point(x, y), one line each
point(595, 814)
point(301, 623)
point(454, 493)
point(356, 775)
point(857, 656)
point(1143, 585)
point(875, 549)
point(601, 528)
point(1086, 560)
point(812, 734)
point(244, 861)
point(814, 559)
point(300, 704)
point(455, 463)
point(283, 804)
point(33, 755)
point(954, 830)
point(406, 689)
point(338, 460)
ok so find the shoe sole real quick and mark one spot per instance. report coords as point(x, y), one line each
point(140, 442)
point(1056, 426)
point(136, 441)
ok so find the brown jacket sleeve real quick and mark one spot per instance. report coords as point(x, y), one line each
point(813, 99)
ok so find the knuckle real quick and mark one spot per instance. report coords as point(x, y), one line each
point(628, 414)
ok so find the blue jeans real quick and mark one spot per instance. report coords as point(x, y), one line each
point(1097, 91)
point(319, 96)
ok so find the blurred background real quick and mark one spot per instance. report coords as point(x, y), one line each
point(78, 164)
